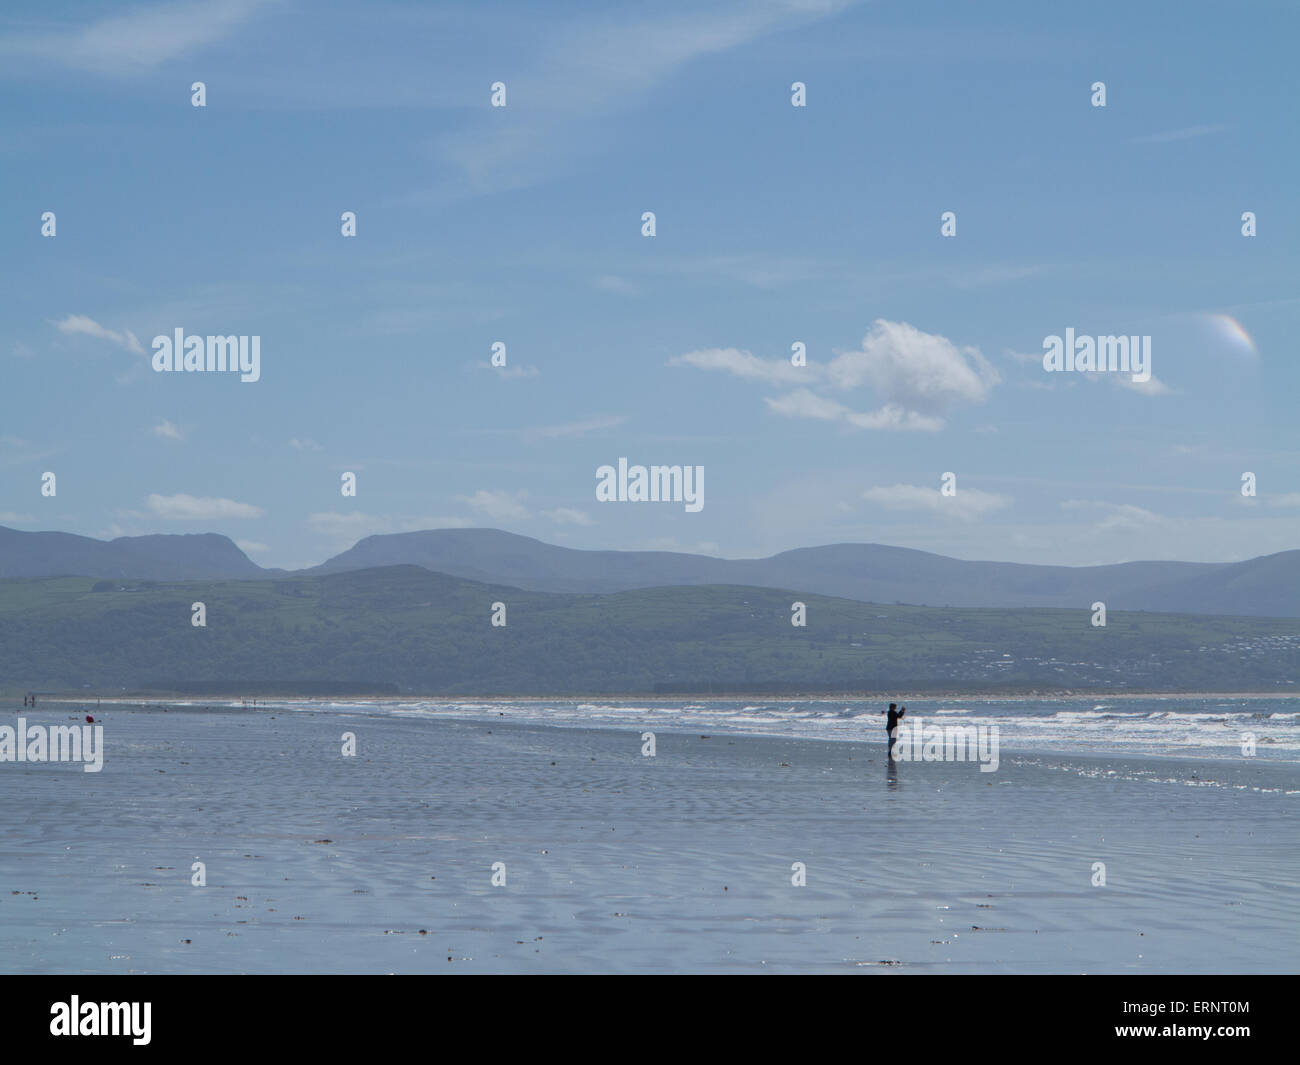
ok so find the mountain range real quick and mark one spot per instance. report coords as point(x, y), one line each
point(1268, 586)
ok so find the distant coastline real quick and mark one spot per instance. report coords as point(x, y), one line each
point(176, 698)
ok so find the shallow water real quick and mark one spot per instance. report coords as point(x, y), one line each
point(618, 862)
point(1207, 726)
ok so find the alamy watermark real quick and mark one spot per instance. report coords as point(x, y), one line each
point(102, 1018)
point(53, 743)
point(1085, 354)
point(913, 741)
point(655, 484)
point(195, 354)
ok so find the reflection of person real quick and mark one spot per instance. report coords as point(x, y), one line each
point(891, 721)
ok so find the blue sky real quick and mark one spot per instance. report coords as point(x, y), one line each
point(775, 224)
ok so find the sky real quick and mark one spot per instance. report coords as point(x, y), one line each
point(775, 225)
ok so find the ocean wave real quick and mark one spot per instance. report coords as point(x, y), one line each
point(1155, 725)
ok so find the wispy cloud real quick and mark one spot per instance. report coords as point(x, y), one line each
point(1025, 358)
point(1152, 386)
point(135, 41)
point(509, 373)
point(758, 269)
point(965, 504)
point(499, 506)
point(15, 451)
point(183, 507)
point(995, 275)
point(569, 516)
point(168, 430)
point(614, 283)
point(79, 324)
point(588, 69)
point(578, 428)
point(746, 365)
point(803, 403)
point(671, 543)
point(1115, 516)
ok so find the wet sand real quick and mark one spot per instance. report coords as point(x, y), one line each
point(619, 863)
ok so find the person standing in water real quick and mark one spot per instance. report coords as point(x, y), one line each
point(893, 717)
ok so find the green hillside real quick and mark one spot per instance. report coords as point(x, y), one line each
point(403, 628)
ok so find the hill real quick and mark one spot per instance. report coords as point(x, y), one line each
point(160, 557)
point(406, 628)
point(877, 573)
point(873, 573)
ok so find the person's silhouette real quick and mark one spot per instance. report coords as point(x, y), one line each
point(893, 717)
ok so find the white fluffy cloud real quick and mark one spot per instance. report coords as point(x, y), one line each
point(915, 377)
point(914, 370)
